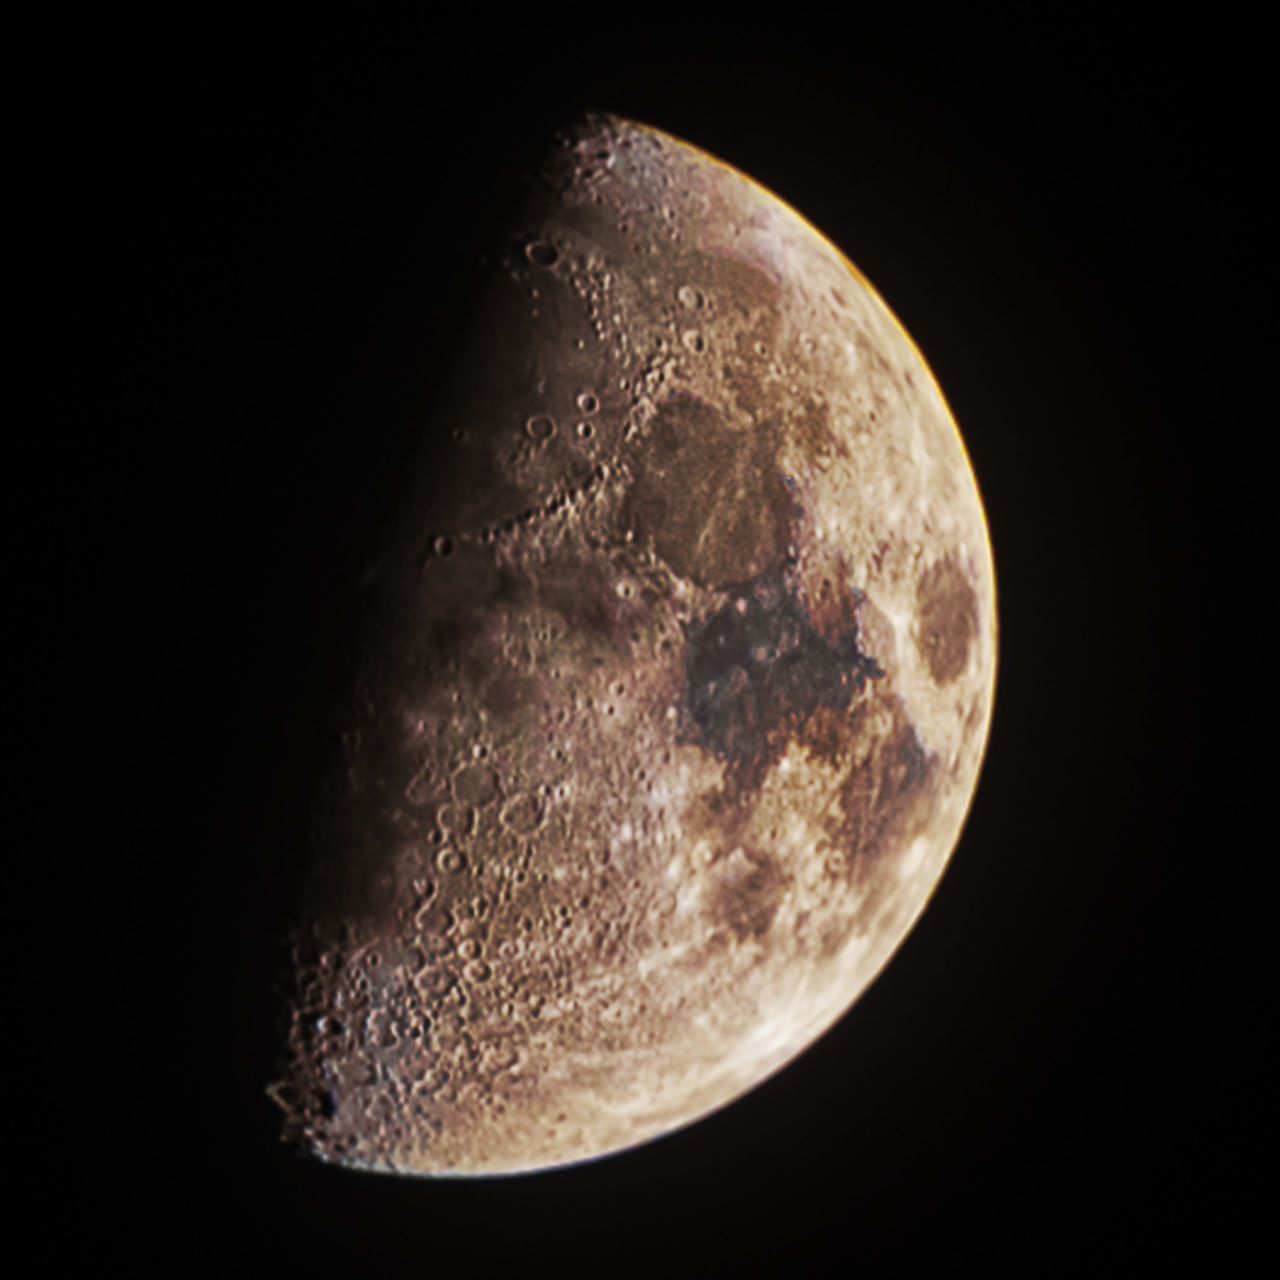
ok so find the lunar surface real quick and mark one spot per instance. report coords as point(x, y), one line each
point(673, 695)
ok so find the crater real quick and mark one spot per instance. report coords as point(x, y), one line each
point(748, 893)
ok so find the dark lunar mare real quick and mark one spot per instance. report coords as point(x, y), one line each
point(758, 668)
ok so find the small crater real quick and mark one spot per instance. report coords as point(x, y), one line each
point(690, 298)
point(523, 813)
point(540, 428)
point(587, 402)
point(693, 341)
point(476, 784)
point(457, 819)
point(541, 253)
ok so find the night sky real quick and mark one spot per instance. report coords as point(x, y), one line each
point(269, 227)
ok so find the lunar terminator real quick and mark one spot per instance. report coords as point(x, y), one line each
point(673, 696)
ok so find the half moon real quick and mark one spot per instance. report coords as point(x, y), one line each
point(674, 695)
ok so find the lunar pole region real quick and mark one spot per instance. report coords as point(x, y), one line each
point(673, 694)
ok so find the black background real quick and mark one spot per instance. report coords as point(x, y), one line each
point(268, 226)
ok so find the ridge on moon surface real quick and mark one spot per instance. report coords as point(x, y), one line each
point(673, 695)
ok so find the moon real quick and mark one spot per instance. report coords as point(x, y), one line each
point(673, 694)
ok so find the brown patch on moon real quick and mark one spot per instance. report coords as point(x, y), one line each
point(948, 611)
point(880, 793)
point(711, 506)
point(889, 776)
point(748, 889)
point(757, 668)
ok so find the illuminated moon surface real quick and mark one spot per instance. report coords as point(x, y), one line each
point(673, 695)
